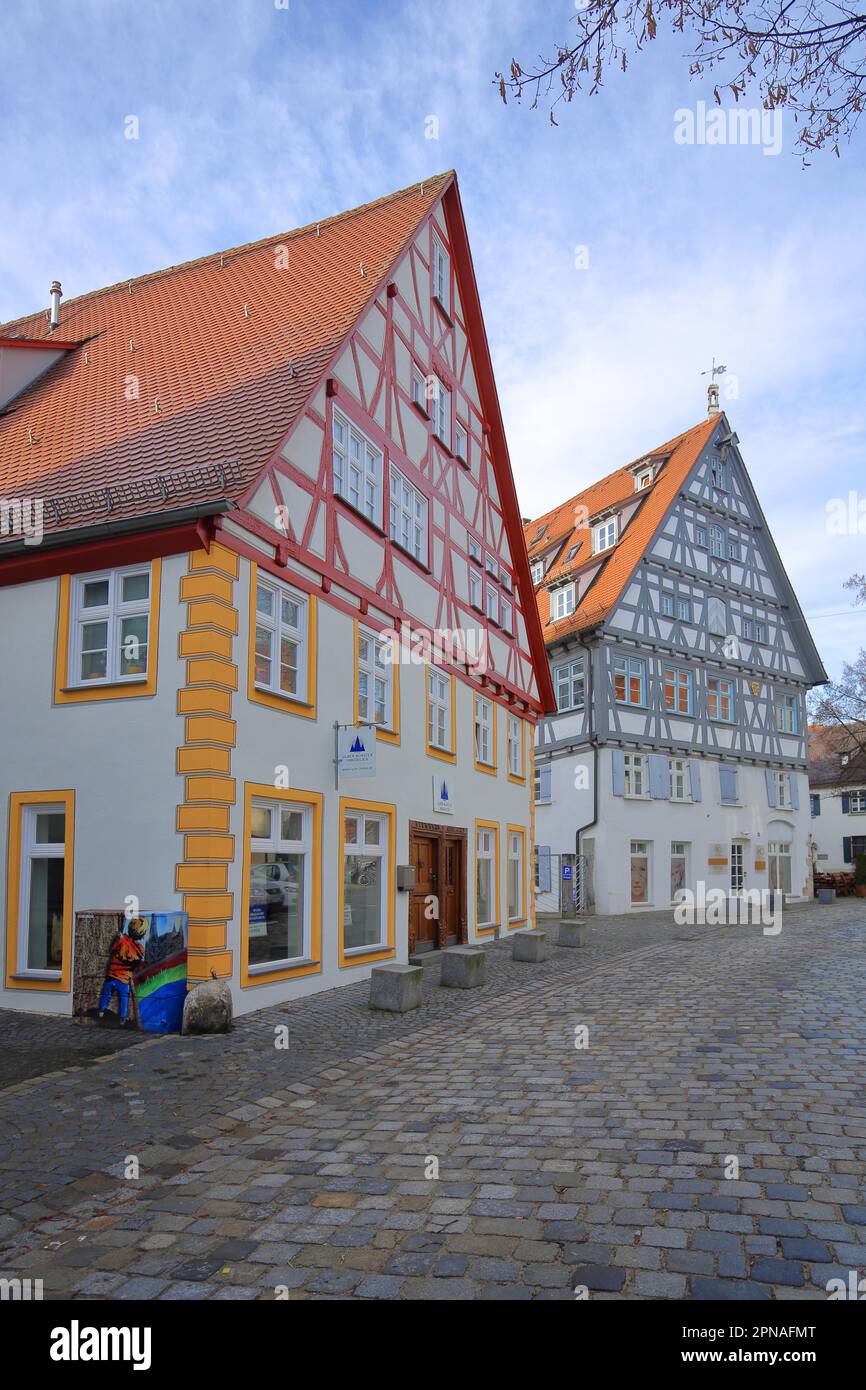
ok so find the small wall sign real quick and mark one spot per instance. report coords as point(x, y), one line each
point(356, 751)
point(442, 798)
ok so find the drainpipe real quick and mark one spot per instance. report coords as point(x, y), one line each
point(593, 742)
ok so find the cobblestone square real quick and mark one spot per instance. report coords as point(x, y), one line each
point(708, 1143)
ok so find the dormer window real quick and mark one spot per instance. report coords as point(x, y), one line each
point(604, 535)
point(539, 533)
point(441, 274)
point(572, 552)
point(536, 570)
point(562, 602)
point(643, 479)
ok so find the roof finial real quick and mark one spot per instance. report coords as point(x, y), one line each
point(713, 388)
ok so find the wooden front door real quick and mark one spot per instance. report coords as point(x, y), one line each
point(423, 920)
point(451, 878)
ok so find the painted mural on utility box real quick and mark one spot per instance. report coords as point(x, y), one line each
point(131, 971)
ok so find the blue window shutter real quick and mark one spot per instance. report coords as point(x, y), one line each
point(771, 787)
point(618, 766)
point(846, 804)
point(695, 778)
point(544, 868)
point(816, 805)
point(795, 792)
point(847, 856)
point(659, 777)
point(544, 782)
point(727, 784)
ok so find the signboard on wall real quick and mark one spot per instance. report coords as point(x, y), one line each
point(356, 751)
point(443, 801)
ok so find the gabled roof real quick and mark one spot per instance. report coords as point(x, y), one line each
point(827, 746)
point(225, 351)
point(566, 527)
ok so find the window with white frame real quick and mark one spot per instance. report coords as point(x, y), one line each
point(857, 802)
point(408, 516)
point(515, 876)
point(439, 710)
point(485, 876)
point(476, 586)
point(779, 854)
point(281, 639)
point(505, 578)
point(635, 774)
point(357, 469)
point(643, 479)
point(717, 616)
point(701, 536)
point(562, 602)
point(754, 631)
point(441, 412)
point(491, 564)
point(734, 552)
point(475, 549)
point(787, 714)
point(678, 690)
point(506, 614)
point(720, 475)
point(717, 542)
point(783, 790)
point(536, 569)
point(515, 746)
point(419, 389)
point(679, 869)
point(629, 680)
point(42, 891)
point(491, 603)
point(681, 789)
point(569, 683)
point(365, 880)
point(720, 699)
point(110, 626)
point(668, 605)
point(684, 610)
point(280, 883)
point(639, 875)
point(461, 441)
point(484, 751)
point(375, 681)
point(441, 274)
point(604, 535)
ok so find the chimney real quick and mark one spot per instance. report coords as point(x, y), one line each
point(54, 316)
point(712, 399)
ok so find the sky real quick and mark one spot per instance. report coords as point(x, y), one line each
point(614, 261)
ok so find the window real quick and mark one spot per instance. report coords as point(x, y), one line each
point(720, 475)
point(678, 687)
point(515, 747)
point(280, 884)
point(717, 542)
point(738, 867)
point(280, 640)
point(754, 631)
point(668, 605)
point(505, 579)
point(786, 714)
point(780, 865)
point(733, 550)
point(639, 871)
point(375, 681)
point(110, 638)
point(439, 711)
point(541, 783)
point(461, 441)
point(572, 551)
point(720, 699)
point(491, 604)
point(701, 536)
point(783, 790)
point(857, 802)
point(679, 869)
point(562, 602)
point(815, 804)
point(681, 787)
point(441, 274)
point(475, 549)
point(604, 535)
point(357, 469)
point(717, 616)
point(475, 587)
point(441, 412)
point(569, 683)
point(516, 894)
point(486, 875)
point(643, 479)
point(491, 564)
point(366, 872)
point(408, 516)
point(506, 615)
point(539, 533)
point(635, 775)
point(39, 887)
point(419, 389)
point(485, 732)
point(629, 680)
point(536, 570)
point(684, 610)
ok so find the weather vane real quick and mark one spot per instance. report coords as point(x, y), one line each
point(714, 371)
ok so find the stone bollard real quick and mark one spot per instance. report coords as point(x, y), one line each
point(395, 988)
point(463, 967)
point(572, 933)
point(529, 946)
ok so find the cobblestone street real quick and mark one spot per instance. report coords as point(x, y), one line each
point(307, 1169)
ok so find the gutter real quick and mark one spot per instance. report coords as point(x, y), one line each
point(593, 743)
point(153, 521)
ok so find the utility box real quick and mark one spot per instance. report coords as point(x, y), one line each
point(405, 878)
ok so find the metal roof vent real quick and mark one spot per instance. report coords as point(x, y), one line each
point(54, 315)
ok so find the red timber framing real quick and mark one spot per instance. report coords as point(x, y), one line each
point(107, 552)
point(480, 499)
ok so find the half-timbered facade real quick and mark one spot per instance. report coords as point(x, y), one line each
point(680, 662)
point(279, 525)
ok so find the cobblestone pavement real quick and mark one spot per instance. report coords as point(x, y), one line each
point(305, 1170)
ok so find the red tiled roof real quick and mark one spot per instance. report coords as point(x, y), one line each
point(565, 528)
point(827, 743)
point(228, 385)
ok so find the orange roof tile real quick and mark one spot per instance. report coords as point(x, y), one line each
point(566, 526)
point(216, 383)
